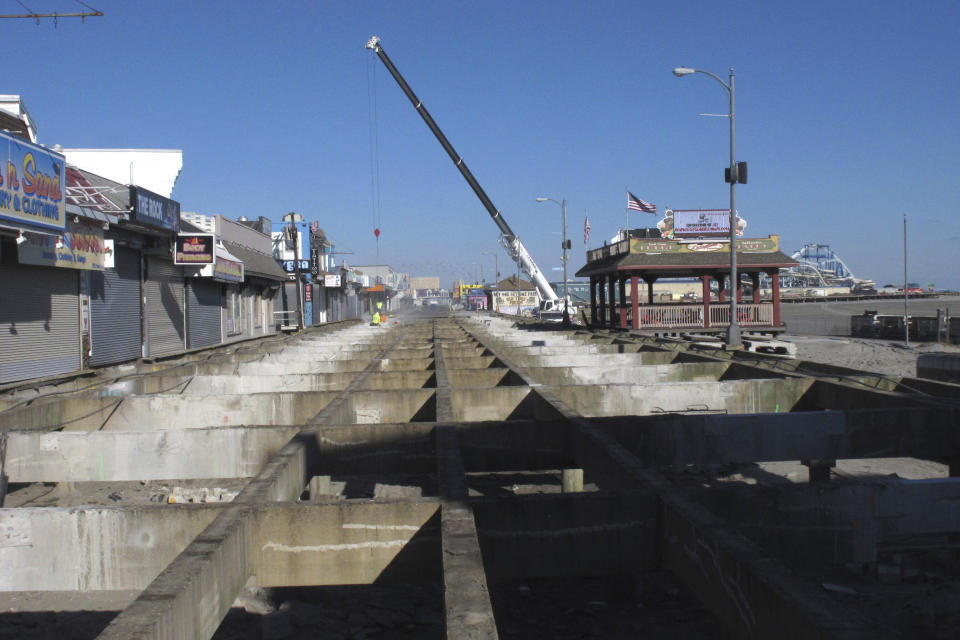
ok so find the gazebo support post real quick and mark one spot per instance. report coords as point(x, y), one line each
point(775, 294)
point(593, 300)
point(623, 300)
point(706, 301)
point(602, 286)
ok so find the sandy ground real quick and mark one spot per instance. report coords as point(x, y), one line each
point(876, 356)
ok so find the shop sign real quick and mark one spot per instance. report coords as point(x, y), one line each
point(32, 180)
point(193, 248)
point(80, 247)
point(154, 210)
point(226, 270)
point(109, 255)
point(289, 265)
point(331, 281)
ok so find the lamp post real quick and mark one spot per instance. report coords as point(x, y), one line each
point(496, 276)
point(566, 296)
point(733, 332)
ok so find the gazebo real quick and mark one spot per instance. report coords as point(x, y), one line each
point(634, 259)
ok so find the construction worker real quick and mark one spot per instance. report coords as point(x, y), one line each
point(376, 318)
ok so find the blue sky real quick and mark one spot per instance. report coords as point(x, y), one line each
point(848, 113)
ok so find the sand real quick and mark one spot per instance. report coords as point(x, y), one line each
point(892, 358)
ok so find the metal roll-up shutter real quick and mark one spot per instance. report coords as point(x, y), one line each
point(203, 313)
point(164, 289)
point(115, 310)
point(39, 322)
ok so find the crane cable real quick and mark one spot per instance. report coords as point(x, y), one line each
point(374, 148)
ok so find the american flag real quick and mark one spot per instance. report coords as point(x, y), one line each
point(635, 203)
point(586, 229)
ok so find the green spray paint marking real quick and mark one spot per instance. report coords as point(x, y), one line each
point(777, 410)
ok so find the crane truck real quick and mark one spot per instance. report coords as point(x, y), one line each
point(550, 304)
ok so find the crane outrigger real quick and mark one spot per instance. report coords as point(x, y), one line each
point(508, 239)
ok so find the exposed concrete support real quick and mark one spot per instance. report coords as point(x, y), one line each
point(752, 594)
point(729, 396)
point(572, 480)
point(346, 542)
point(635, 374)
point(561, 535)
point(819, 468)
point(108, 548)
point(467, 607)
point(72, 456)
point(926, 433)
point(189, 599)
point(361, 541)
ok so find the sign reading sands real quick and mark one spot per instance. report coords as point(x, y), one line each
point(32, 180)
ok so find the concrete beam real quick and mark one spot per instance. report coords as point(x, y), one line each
point(346, 542)
point(73, 456)
point(927, 433)
point(467, 607)
point(564, 535)
point(167, 412)
point(95, 549)
point(734, 396)
point(636, 374)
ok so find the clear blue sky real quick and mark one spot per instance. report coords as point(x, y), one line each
point(848, 113)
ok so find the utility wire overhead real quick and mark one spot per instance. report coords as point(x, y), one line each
point(33, 15)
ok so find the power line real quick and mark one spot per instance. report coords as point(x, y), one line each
point(33, 15)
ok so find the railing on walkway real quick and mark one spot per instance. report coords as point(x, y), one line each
point(690, 316)
point(286, 320)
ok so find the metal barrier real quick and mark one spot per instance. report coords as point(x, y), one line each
point(286, 320)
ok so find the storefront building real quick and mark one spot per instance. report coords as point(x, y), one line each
point(42, 259)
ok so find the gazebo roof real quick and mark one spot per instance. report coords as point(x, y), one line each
point(671, 258)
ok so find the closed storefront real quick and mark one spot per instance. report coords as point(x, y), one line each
point(115, 310)
point(40, 321)
point(165, 307)
point(233, 315)
point(203, 313)
point(319, 304)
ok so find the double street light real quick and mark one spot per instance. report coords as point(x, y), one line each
point(566, 296)
point(736, 173)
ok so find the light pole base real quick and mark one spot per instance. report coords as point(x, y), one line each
point(733, 337)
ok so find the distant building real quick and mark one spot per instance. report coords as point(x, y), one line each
point(504, 295)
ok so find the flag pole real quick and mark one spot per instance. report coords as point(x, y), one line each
point(626, 214)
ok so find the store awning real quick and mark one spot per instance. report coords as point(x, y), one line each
point(257, 264)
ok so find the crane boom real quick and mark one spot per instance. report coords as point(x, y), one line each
point(508, 238)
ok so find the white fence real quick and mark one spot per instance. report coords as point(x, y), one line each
point(690, 316)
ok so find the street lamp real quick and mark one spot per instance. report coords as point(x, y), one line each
point(566, 296)
point(496, 275)
point(733, 332)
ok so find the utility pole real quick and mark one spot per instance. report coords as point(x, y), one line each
point(906, 289)
point(293, 218)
